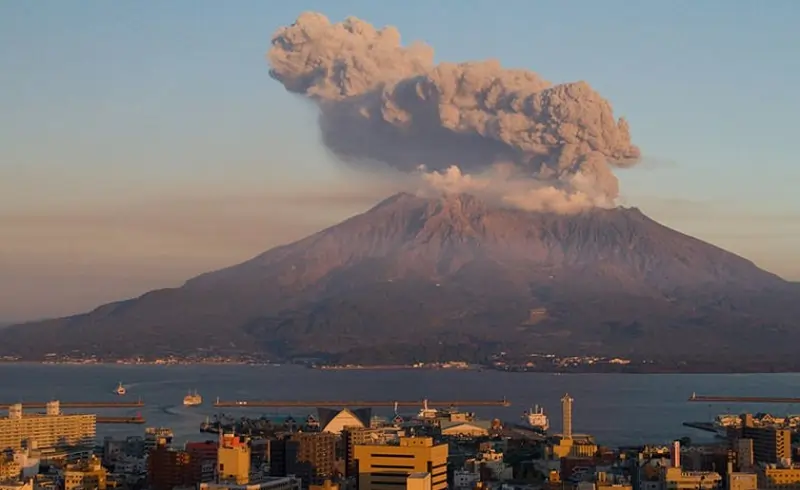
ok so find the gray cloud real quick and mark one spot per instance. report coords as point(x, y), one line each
point(385, 104)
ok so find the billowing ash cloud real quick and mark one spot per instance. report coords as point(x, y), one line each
point(381, 102)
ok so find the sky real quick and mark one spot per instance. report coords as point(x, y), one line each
point(142, 143)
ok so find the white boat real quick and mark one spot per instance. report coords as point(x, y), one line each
point(192, 399)
point(537, 419)
point(120, 389)
point(427, 413)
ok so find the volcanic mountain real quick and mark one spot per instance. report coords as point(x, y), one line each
point(452, 277)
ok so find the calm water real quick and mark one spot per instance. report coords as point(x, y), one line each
point(617, 409)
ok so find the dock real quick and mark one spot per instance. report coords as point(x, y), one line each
point(120, 420)
point(136, 404)
point(741, 399)
point(705, 426)
point(357, 403)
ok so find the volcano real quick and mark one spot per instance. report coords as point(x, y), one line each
point(454, 278)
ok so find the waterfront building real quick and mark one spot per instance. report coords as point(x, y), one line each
point(334, 421)
point(50, 431)
point(569, 444)
point(386, 467)
point(464, 428)
point(85, 475)
point(770, 445)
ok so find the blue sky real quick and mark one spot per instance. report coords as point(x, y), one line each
point(144, 142)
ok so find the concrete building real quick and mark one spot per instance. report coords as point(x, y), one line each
point(310, 456)
point(771, 446)
point(677, 479)
point(280, 483)
point(742, 481)
point(168, 468)
point(387, 467)
point(419, 481)
point(771, 477)
point(566, 416)
point(326, 485)
point(744, 454)
point(85, 475)
point(358, 436)
point(233, 460)
point(51, 431)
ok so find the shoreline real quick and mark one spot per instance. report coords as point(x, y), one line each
point(479, 368)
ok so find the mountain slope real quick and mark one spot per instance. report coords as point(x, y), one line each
point(453, 276)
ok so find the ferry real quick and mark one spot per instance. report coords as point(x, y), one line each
point(120, 389)
point(537, 419)
point(192, 399)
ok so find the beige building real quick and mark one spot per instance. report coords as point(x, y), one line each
point(85, 475)
point(418, 481)
point(742, 481)
point(676, 479)
point(233, 458)
point(387, 467)
point(51, 430)
point(773, 478)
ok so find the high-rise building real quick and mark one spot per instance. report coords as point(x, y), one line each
point(50, 431)
point(233, 458)
point(387, 467)
point(357, 436)
point(771, 446)
point(168, 468)
point(744, 454)
point(203, 460)
point(566, 416)
point(311, 456)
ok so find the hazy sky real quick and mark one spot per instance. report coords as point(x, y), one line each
point(143, 142)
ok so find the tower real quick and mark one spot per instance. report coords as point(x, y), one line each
point(566, 416)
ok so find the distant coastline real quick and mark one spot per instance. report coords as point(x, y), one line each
point(638, 368)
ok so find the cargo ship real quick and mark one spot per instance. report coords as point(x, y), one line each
point(537, 419)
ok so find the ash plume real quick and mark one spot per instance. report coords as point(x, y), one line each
point(462, 125)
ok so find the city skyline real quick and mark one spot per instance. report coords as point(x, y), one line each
point(141, 147)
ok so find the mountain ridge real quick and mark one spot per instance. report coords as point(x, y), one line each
point(458, 273)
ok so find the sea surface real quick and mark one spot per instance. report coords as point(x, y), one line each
point(618, 409)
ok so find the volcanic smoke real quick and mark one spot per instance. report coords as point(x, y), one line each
point(465, 127)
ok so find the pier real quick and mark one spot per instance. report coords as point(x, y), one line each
point(357, 403)
point(704, 426)
point(120, 420)
point(741, 399)
point(136, 404)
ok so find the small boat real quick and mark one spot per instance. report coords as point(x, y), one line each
point(120, 389)
point(192, 399)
